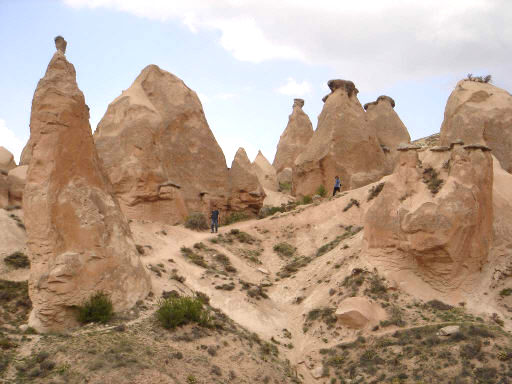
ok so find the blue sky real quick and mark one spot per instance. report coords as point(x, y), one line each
point(248, 59)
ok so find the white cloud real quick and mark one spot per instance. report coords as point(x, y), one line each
point(294, 89)
point(10, 141)
point(374, 43)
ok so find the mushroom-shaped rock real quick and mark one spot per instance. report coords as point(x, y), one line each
point(246, 192)
point(359, 312)
point(265, 172)
point(480, 113)
point(293, 140)
point(155, 132)
point(6, 160)
point(60, 44)
point(78, 239)
point(344, 145)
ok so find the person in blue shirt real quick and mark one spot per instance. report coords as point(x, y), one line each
point(337, 185)
point(215, 219)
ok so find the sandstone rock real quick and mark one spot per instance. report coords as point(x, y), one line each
point(285, 176)
point(317, 372)
point(6, 161)
point(79, 241)
point(480, 113)
point(359, 312)
point(343, 144)
point(390, 130)
point(4, 191)
point(293, 140)
point(442, 237)
point(265, 172)
point(60, 44)
point(16, 181)
point(155, 136)
point(246, 192)
point(449, 330)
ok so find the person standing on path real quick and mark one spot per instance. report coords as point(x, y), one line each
point(337, 185)
point(215, 219)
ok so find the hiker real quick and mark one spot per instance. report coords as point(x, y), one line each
point(337, 185)
point(215, 219)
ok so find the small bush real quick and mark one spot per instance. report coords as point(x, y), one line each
point(196, 221)
point(506, 292)
point(235, 217)
point(305, 200)
point(284, 249)
point(439, 305)
point(321, 191)
point(98, 309)
point(431, 178)
point(351, 203)
point(177, 311)
point(374, 191)
point(194, 257)
point(285, 186)
point(17, 260)
point(480, 79)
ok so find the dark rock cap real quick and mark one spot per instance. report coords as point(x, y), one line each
point(347, 85)
point(298, 103)
point(60, 44)
point(380, 98)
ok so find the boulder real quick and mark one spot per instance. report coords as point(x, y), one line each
point(265, 172)
point(285, 177)
point(159, 151)
point(388, 127)
point(449, 330)
point(6, 161)
point(480, 113)
point(16, 181)
point(359, 312)
point(78, 239)
point(4, 191)
point(293, 140)
point(344, 145)
point(246, 192)
point(434, 216)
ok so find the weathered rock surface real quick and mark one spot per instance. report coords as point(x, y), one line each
point(4, 191)
point(359, 312)
point(285, 176)
point(388, 127)
point(246, 192)
point(79, 241)
point(444, 237)
point(16, 180)
point(293, 140)
point(344, 144)
point(159, 151)
point(265, 172)
point(6, 160)
point(449, 330)
point(480, 113)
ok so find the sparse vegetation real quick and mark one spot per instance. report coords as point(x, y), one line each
point(14, 302)
point(17, 260)
point(350, 204)
point(479, 79)
point(196, 221)
point(506, 292)
point(285, 186)
point(194, 257)
point(374, 191)
point(235, 217)
point(349, 231)
point(304, 200)
point(97, 309)
point(321, 191)
point(177, 311)
point(284, 249)
point(431, 178)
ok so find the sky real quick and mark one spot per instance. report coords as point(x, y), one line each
point(248, 59)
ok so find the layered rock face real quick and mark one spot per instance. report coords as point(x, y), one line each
point(480, 113)
point(79, 241)
point(246, 192)
point(344, 144)
point(435, 215)
point(386, 123)
point(293, 141)
point(159, 151)
point(265, 172)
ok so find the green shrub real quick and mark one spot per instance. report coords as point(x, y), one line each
point(177, 311)
point(506, 292)
point(431, 178)
point(97, 309)
point(194, 257)
point(284, 249)
point(305, 200)
point(285, 186)
point(196, 221)
point(321, 191)
point(235, 217)
point(17, 260)
point(374, 191)
point(351, 203)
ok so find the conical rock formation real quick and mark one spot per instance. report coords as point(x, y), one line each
point(435, 216)
point(343, 144)
point(386, 123)
point(480, 113)
point(293, 140)
point(79, 241)
point(246, 192)
point(159, 151)
point(265, 172)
